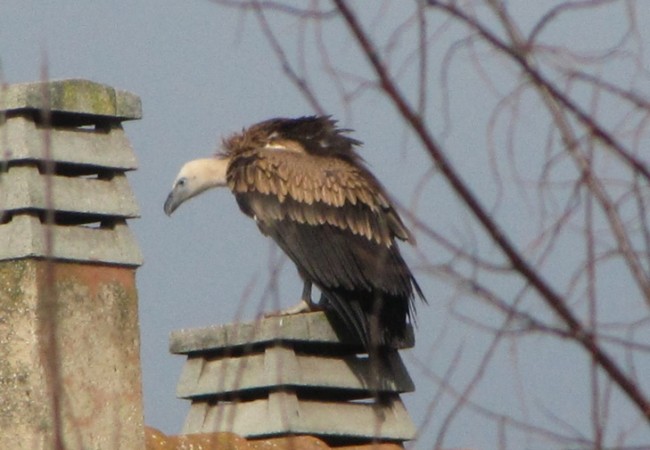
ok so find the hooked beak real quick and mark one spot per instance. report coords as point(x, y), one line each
point(173, 201)
point(195, 177)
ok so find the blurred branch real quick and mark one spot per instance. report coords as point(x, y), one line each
point(554, 300)
point(287, 68)
point(48, 306)
point(519, 55)
point(257, 5)
point(555, 12)
point(495, 416)
point(572, 145)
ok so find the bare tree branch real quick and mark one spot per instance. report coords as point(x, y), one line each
point(546, 292)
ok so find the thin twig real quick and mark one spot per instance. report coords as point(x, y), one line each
point(546, 292)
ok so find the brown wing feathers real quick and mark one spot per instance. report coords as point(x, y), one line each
point(301, 180)
point(302, 191)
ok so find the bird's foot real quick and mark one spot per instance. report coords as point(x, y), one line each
point(302, 307)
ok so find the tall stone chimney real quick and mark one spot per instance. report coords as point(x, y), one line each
point(69, 337)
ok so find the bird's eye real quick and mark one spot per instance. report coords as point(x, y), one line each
point(181, 182)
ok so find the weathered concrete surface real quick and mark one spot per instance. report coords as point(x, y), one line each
point(25, 237)
point(25, 187)
point(312, 327)
point(88, 189)
point(92, 366)
point(285, 413)
point(106, 147)
point(283, 367)
point(71, 96)
point(291, 375)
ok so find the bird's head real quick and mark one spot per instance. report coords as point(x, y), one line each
point(195, 177)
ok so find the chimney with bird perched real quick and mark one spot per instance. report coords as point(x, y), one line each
point(336, 373)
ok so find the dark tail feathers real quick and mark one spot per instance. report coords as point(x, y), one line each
point(377, 320)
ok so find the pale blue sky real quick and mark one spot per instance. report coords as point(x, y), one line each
point(204, 71)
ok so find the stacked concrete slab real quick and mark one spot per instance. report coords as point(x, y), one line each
point(69, 338)
point(291, 375)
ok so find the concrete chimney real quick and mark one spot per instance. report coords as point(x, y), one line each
point(302, 374)
point(69, 336)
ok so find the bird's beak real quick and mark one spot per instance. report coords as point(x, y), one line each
point(173, 201)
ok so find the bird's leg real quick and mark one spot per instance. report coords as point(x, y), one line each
point(306, 294)
point(305, 304)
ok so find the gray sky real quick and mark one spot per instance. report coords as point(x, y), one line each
point(204, 71)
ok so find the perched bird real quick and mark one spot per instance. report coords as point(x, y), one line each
point(306, 188)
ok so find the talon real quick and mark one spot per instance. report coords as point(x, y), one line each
point(301, 307)
point(305, 304)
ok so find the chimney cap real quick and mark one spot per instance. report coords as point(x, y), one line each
point(75, 96)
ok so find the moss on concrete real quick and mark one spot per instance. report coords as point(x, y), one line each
point(11, 292)
point(15, 372)
point(72, 96)
point(93, 310)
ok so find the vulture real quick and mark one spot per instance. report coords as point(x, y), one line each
point(302, 182)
